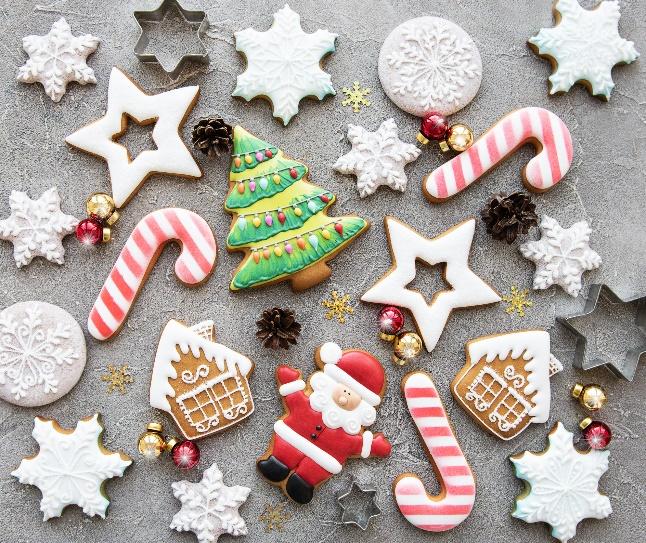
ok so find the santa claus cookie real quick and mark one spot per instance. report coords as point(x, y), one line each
point(325, 420)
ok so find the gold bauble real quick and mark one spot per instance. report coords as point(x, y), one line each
point(407, 345)
point(151, 442)
point(460, 137)
point(100, 206)
point(591, 396)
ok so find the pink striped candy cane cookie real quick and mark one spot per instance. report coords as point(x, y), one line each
point(138, 256)
point(535, 125)
point(455, 501)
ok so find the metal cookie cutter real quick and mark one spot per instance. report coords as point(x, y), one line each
point(157, 15)
point(358, 504)
point(626, 369)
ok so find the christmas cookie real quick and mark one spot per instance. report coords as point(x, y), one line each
point(201, 384)
point(505, 383)
point(42, 353)
point(280, 219)
point(284, 64)
point(71, 467)
point(584, 46)
point(325, 420)
point(430, 64)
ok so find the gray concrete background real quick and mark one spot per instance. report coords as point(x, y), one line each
point(605, 186)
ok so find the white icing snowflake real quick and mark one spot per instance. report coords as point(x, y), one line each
point(561, 255)
point(563, 485)
point(71, 467)
point(283, 63)
point(585, 45)
point(377, 158)
point(37, 227)
point(58, 58)
point(209, 508)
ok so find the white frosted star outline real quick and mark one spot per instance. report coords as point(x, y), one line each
point(377, 158)
point(564, 485)
point(585, 45)
point(168, 110)
point(452, 248)
point(71, 467)
point(284, 63)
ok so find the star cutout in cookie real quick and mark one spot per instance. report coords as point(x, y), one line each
point(451, 248)
point(167, 110)
point(377, 158)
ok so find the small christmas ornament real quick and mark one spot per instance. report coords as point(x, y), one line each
point(458, 137)
point(277, 328)
point(212, 136)
point(356, 97)
point(508, 216)
point(391, 321)
point(102, 214)
point(91, 232)
point(596, 433)
point(591, 396)
point(185, 453)
point(406, 346)
point(151, 443)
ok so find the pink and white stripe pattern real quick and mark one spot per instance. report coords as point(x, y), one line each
point(454, 503)
point(534, 125)
point(194, 265)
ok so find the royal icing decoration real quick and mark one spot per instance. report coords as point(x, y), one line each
point(202, 384)
point(458, 488)
point(209, 508)
point(168, 111)
point(562, 485)
point(534, 125)
point(561, 255)
point(71, 467)
point(284, 63)
point(584, 46)
point(377, 158)
point(37, 227)
point(42, 353)
point(505, 382)
point(194, 265)
point(430, 64)
point(58, 58)
point(452, 248)
point(325, 420)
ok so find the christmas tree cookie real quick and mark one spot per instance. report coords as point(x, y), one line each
point(280, 219)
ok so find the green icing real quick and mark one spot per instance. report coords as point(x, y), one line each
point(244, 143)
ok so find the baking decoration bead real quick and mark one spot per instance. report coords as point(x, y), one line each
point(89, 232)
point(591, 396)
point(391, 321)
point(434, 127)
point(100, 206)
point(151, 443)
point(460, 137)
point(185, 454)
point(596, 433)
point(406, 347)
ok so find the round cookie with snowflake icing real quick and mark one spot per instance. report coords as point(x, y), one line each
point(430, 64)
point(42, 353)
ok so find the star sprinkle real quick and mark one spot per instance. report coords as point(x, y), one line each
point(274, 517)
point(377, 158)
point(356, 97)
point(517, 301)
point(563, 485)
point(71, 467)
point(284, 63)
point(117, 378)
point(584, 46)
point(209, 508)
point(339, 307)
point(37, 227)
point(561, 255)
point(58, 58)
point(167, 110)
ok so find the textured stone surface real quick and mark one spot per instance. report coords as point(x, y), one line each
point(605, 187)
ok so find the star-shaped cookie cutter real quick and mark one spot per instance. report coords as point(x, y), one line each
point(631, 358)
point(157, 15)
point(359, 513)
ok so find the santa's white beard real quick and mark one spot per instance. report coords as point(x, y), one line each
point(333, 415)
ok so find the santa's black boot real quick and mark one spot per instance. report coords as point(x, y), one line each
point(298, 490)
point(273, 469)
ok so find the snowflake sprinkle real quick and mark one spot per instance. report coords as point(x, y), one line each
point(275, 517)
point(339, 307)
point(117, 378)
point(356, 97)
point(517, 301)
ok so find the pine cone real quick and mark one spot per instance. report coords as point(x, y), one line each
point(212, 136)
point(508, 216)
point(277, 328)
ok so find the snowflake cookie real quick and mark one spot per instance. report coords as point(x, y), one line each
point(58, 58)
point(584, 46)
point(71, 467)
point(430, 64)
point(561, 485)
point(377, 158)
point(561, 255)
point(37, 227)
point(209, 508)
point(284, 63)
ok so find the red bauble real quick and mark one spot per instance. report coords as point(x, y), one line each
point(89, 232)
point(186, 454)
point(391, 320)
point(434, 126)
point(597, 434)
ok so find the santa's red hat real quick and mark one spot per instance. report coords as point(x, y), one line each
point(358, 370)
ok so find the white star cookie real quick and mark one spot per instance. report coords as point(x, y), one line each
point(71, 467)
point(167, 110)
point(377, 158)
point(284, 63)
point(561, 255)
point(563, 485)
point(37, 227)
point(58, 58)
point(584, 46)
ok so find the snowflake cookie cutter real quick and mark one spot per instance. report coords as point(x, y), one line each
point(626, 368)
point(191, 17)
point(356, 513)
